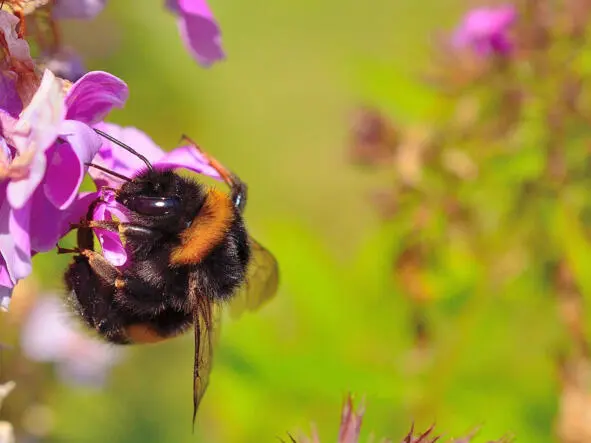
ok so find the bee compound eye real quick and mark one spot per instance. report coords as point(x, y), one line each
point(155, 206)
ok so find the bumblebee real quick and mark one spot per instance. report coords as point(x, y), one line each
point(188, 254)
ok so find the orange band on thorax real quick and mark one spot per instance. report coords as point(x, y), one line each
point(207, 230)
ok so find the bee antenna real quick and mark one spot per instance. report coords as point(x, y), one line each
point(126, 147)
point(108, 171)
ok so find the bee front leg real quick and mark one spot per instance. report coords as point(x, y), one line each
point(107, 225)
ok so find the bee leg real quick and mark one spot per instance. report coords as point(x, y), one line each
point(61, 250)
point(107, 225)
point(101, 266)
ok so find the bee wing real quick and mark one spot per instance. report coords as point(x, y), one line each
point(262, 280)
point(206, 316)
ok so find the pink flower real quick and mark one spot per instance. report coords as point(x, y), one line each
point(77, 8)
point(64, 63)
point(199, 30)
point(125, 163)
point(486, 30)
point(43, 156)
point(51, 335)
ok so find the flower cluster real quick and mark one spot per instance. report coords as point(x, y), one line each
point(490, 191)
point(46, 140)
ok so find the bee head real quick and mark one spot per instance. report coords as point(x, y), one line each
point(162, 200)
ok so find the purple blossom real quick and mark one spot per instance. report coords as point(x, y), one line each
point(77, 8)
point(50, 334)
point(43, 160)
point(486, 30)
point(199, 30)
point(116, 159)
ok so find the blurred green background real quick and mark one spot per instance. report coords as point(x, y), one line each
point(277, 112)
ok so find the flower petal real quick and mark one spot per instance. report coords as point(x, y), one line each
point(17, 58)
point(15, 244)
point(67, 162)
point(5, 280)
point(200, 31)
point(93, 96)
point(77, 8)
point(17, 48)
point(38, 125)
point(10, 101)
point(6, 285)
point(350, 422)
point(5, 294)
point(113, 249)
point(20, 191)
point(117, 159)
point(187, 157)
point(43, 235)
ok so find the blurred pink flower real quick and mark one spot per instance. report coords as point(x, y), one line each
point(64, 63)
point(486, 30)
point(199, 30)
point(118, 160)
point(77, 8)
point(50, 334)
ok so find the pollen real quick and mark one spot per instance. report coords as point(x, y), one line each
point(119, 283)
